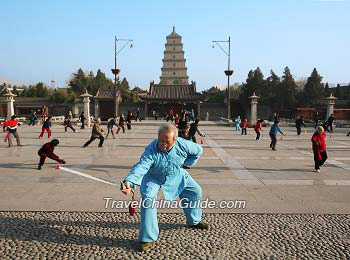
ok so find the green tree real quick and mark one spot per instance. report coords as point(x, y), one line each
point(314, 90)
point(31, 91)
point(71, 97)
point(78, 82)
point(41, 90)
point(254, 83)
point(288, 90)
point(59, 96)
point(101, 82)
point(218, 97)
point(123, 86)
point(272, 86)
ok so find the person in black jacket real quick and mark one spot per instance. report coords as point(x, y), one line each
point(193, 130)
point(128, 120)
point(82, 119)
point(111, 123)
point(316, 119)
point(46, 127)
point(32, 119)
point(182, 122)
point(121, 124)
point(298, 123)
point(137, 115)
point(184, 133)
point(330, 123)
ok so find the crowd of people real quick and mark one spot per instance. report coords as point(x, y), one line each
point(176, 141)
point(182, 121)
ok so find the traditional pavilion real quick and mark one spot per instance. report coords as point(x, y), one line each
point(107, 102)
point(173, 91)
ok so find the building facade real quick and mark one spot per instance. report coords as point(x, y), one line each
point(173, 91)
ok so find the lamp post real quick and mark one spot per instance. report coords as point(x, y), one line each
point(116, 71)
point(228, 73)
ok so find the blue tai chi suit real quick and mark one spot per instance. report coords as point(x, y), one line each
point(238, 124)
point(157, 169)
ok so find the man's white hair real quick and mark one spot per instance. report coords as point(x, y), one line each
point(320, 128)
point(167, 128)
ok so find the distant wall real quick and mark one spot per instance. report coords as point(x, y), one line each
point(216, 110)
point(132, 107)
point(342, 114)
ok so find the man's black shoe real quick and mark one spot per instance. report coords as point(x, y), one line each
point(201, 225)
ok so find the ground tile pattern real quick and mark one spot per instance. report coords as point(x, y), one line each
point(88, 235)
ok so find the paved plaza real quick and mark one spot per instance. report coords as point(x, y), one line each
point(290, 211)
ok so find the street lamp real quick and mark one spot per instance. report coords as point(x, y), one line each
point(228, 73)
point(116, 71)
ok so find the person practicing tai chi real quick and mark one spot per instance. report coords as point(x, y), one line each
point(298, 123)
point(319, 147)
point(47, 151)
point(121, 124)
point(68, 123)
point(46, 127)
point(32, 118)
point(273, 132)
point(193, 130)
point(128, 120)
point(112, 122)
point(244, 126)
point(43, 114)
point(97, 132)
point(184, 132)
point(82, 119)
point(10, 127)
point(160, 167)
point(258, 129)
point(238, 123)
point(137, 115)
point(316, 119)
point(182, 122)
point(330, 123)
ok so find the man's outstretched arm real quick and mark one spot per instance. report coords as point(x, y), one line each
point(141, 168)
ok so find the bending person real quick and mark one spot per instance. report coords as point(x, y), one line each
point(47, 151)
point(160, 166)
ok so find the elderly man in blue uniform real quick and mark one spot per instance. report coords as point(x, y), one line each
point(161, 166)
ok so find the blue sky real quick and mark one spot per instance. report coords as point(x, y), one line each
point(44, 40)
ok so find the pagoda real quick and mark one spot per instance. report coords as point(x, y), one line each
point(173, 91)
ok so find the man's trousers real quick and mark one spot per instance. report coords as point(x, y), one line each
point(150, 187)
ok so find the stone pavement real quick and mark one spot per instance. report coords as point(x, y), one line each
point(233, 167)
point(72, 235)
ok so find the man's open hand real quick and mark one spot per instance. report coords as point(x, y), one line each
point(125, 188)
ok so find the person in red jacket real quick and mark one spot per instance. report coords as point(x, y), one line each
point(47, 151)
point(319, 147)
point(258, 129)
point(10, 126)
point(244, 126)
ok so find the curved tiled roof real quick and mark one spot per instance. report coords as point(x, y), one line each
point(106, 94)
point(172, 92)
